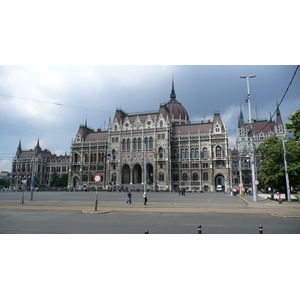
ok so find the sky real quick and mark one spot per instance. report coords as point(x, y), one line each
point(93, 92)
point(96, 56)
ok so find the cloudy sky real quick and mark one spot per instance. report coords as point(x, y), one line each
point(93, 93)
point(96, 57)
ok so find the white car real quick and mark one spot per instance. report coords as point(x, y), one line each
point(219, 188)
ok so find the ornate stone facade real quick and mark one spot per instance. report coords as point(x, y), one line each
point(240, 156)
point(178, 153)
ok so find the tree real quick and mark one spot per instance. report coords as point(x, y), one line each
point(57, 181)
point(4, 182)
point(294, 126)
point(272, 164)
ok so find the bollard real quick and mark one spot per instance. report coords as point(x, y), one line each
point(146, 232)
point(260, 229)
point(199, 229)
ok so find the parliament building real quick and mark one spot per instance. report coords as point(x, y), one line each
point(164, 148)
point(177, 152)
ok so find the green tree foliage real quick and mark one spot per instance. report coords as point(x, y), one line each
point(272, 161)
point(272, 164)
point(4, 182)
point(57, 181)
point(294, 126)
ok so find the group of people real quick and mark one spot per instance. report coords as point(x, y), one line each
point(235, 191)
point(182, 192)
point(129, 195)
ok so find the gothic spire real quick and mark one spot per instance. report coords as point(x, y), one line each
point(241, 119)
point(173, 94)
point(19, 150)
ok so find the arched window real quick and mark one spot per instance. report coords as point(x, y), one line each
point(161, 152)
point(175, 177)
point(86, 157)
point(185, 176)
point(113, 154)
point(205, 176)
point(139, 144)
point(115, 128)
point(161, 124)
point(128, 144)
point(192, 153)
point(205, 153)
point(182, 153)
point(175, 154)
point(186, 153)
point(151, 143)
point(147, 143)
point(161, 176)
point(76, 157)
point(218, 151)
point(196, 153)
point(84, 178)
point(124, 145)
point(134, 144)
point(195, 176)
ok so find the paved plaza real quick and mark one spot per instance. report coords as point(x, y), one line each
point(165, 213)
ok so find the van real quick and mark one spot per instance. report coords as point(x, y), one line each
point(219, 188)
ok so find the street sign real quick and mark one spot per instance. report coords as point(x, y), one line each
point(97, 178)
point(256, 182)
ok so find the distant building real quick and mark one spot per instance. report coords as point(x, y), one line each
point(5, 174)
point(179, 153)
point(46, 164)
point(240, 156)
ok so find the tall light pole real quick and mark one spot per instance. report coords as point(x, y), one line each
point(252, 156)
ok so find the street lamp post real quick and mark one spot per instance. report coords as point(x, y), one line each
point(251, 139)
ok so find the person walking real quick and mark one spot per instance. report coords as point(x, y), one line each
point(129, 197)
point(145, 198)
point(278, 197)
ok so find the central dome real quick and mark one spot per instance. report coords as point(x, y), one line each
point(177, 112)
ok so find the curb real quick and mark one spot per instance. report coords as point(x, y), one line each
point(284, 216)
point(95, 212)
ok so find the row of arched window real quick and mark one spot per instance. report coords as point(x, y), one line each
point(194, 153)
point(94, 157)
point(185, 176)
point(161, 125)
point(137, 144)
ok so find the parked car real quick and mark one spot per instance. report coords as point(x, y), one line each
point(219, 188)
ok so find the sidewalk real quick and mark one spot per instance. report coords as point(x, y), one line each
point(265, 200)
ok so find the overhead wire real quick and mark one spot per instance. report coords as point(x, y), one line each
point(37, 129)
point(282, 97)
point(55, 103)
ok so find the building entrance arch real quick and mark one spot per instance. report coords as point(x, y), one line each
point(219, 180)
point(76, 181)
point(149, 174)
point(137, 174)
point(126, 174)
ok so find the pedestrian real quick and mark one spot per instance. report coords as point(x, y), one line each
point(129, 197)
point(145, 198)
point(180, 192)
point(234, 192)
point(278, 197)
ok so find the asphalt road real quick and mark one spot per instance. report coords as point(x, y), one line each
point(165, 213)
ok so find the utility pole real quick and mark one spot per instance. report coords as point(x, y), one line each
point(288, 191)
point(32, 174)
point(252, 157)
point(145, 169)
